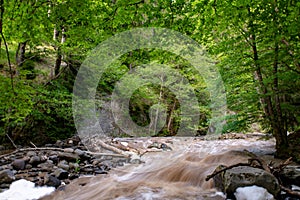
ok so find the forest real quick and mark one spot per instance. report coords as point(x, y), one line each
point(255, 45)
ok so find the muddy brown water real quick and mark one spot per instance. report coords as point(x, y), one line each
point(170, 175)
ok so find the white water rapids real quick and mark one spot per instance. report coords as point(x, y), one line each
point(170, 175)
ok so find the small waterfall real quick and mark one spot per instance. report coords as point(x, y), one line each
point(178, 174)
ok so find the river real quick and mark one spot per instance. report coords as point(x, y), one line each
point(178, 174)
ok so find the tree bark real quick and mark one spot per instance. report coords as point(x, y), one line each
point(20, 53)
point(272, 109)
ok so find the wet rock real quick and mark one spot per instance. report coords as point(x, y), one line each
point(18, 164)
point(45, 166)
point(135, 159)
point(73, 176)
point(53, 158)
point(104, 166)
point(34, 160)
point(50, 180)
point(6, 176)
point(290, 175)
point(79, 152)
point(73, 165)
point(243, 176)
point(31, 153)
point(63, 164)
point(100, 171)
point(28, 166)
point(69, 150)
point(71, 157)
point(61, 174)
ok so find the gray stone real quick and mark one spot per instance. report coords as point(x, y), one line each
point(69, 150)
point(290, 175)
point(6, 176)
point(31, 153)
point(74, 165)
point(18, 164)
point(28, 166)
point(54, 158)
point(61, 174)
point(34, 160)
point(243, 176)
point(50, 180)
point(135, 159)
point(64, 165)
point(45, 166)
point(71, 157)
point(79, 152)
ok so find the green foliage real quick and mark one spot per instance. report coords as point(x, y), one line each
point(35, 113)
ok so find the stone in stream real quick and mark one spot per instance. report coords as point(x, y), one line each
point(69, 150)
point(64, 165)
point(243, 176)
point(34, 160)
point(79, 152)
point(61, 174)
point(50, 180)
point(6, 176)
point(54, 158)
point(18, 164)
point(31, 153)
point(290, 175)
point(71, 157)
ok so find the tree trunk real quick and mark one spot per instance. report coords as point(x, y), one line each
point(280, 132)
point(57, 61)
point(272, 109)
point(20, 53)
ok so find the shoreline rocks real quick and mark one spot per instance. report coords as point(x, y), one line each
point(55, 164)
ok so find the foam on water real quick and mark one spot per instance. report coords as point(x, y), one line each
point(25, 190)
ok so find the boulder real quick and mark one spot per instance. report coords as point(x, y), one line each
point(64, 165)
point(34, 160)
point(243, 176)
point(61, 174)
point(71, 157)
point(18, 164)
point(50, 180)
point(290, 175)
point(6, 176)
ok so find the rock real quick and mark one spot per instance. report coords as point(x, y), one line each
point(45, 166)
point(28, 166)
point(73, 176)
point(100, 171)
point(74, 165)
point(64, 165)
point(290, 175)
point(243, 176)
point(54, 158)
point(61, 174)
point(69, 150)
point(105, 166)
point(18, 164)
point(6, 176)
point(79, 152)
point(135, 159)
point(34, 160)
point(31, 153)
point(71, 157)
point(50, 180)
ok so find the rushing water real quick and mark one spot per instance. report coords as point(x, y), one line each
point(172, 175)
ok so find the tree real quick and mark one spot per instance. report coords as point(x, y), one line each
point(258, 39)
